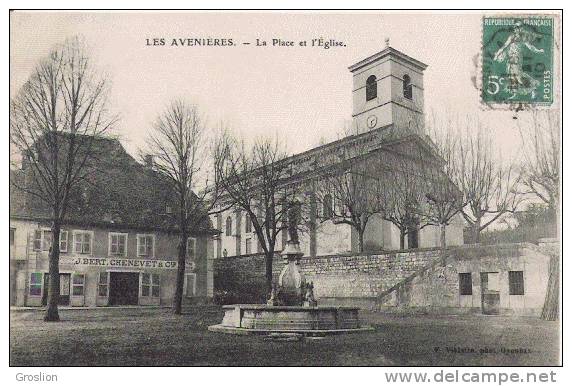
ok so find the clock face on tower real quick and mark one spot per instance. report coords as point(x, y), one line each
point(371, 121)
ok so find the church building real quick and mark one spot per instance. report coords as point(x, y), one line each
point(388, 117)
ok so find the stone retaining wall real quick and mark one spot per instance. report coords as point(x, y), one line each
point(336, 276)
point(412, 280)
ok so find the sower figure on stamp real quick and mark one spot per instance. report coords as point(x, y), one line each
point(512, 52)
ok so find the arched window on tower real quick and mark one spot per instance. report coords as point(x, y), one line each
point(228, 226)
point(407, 87)
point(371, 88)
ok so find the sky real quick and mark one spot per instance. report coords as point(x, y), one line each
point(299, 94)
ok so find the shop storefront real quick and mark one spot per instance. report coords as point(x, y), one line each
point(98, 280)
point(112, 282)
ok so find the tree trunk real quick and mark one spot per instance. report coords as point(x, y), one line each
point(443, 235)
point(268, 260)
point(550, 309)
point(52, 314)
point(181, 260)
point(360, 240)
point(477, 230)
point(402, 239)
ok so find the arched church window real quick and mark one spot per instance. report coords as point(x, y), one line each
point(327, 211)
point(228, 226)
point(407, 87)
point(371, 88)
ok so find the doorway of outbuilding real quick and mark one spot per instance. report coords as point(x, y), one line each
point(490, 293)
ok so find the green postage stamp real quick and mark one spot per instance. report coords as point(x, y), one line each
point(517, 54)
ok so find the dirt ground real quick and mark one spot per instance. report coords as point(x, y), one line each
point(155, 337)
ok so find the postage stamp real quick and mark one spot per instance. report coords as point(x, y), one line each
point(517, 55)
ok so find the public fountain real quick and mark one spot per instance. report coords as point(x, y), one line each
point(291, 307)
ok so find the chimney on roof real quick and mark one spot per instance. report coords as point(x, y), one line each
point(149, 161)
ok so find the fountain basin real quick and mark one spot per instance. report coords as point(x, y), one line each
point(264, 319)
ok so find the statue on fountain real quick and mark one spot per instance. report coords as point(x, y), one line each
point(309, 300)
point(292, 289)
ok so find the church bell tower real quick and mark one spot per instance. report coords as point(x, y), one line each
point(388, 90)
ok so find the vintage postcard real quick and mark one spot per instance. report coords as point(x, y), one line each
point(286, 188)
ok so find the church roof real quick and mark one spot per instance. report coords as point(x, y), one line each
point(353, 147)
point(391, 52)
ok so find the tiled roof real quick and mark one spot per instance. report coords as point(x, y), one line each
point(119, 192)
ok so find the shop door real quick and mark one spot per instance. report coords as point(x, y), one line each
point(490, 293)
point(123, 288)
point(64, 289)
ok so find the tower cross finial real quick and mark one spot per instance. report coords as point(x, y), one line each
point(386, 42)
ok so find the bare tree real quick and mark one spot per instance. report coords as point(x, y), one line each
point(404, 192)
point(178, 146)
point(349, 194)
point(348, 190)
point(443, 199)
point(254, 179)
point(54, 121)
point(541, 179)
point(541, 149)
point(488, 185)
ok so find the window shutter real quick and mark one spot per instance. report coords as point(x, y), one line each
point(37, 243)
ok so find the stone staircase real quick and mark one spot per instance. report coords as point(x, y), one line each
point(366, 276)
point(386, 295)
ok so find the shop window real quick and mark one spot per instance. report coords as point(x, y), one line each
point(150, 285)
point(465, 284)
point(118, 244)
point(190, 284)
point(36, 283)
point(64, 284)
point(516, 283)
point(248, 246)
point(103, 284)
point(155, 285)
point(146, 245)
point(191, 248)
point(371, 88)
point(82, 242)
point(63, 241)
point(78, 284)
point(407, 87)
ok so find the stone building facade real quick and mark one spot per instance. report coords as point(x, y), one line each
point(118, 245)
point(388, 116)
